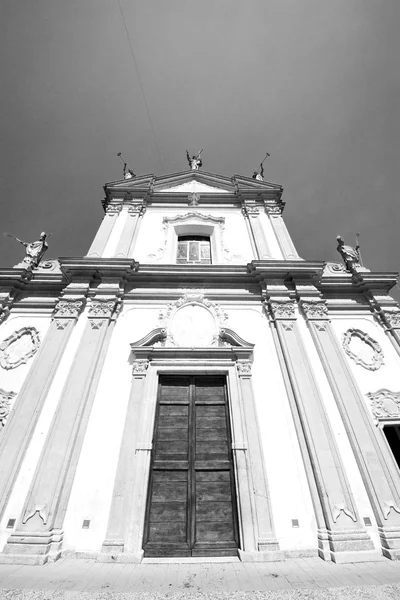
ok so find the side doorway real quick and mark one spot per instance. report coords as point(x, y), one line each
point(191, 502)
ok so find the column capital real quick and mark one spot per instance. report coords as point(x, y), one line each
point(113, 209)
point(244, 367)
point(140, 366)
point(136, 209)
point(68, 307)
point(273, 211)
point(392, 318)
point(103, 307)
point(281, 308)
point(314, 309)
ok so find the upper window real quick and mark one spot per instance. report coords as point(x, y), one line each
point(194, 249)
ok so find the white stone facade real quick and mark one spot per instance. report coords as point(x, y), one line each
point(310, 352)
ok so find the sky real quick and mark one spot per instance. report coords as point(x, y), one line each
point(314, 82)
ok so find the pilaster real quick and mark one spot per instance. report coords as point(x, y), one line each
point(251, 213)
point(282, 235)
point(130, 231)
point(105, 229)
point(266, 544)
point(38, 536)
point(123, 499)
point(28, 406)
point(381, 479)
point(343, 539)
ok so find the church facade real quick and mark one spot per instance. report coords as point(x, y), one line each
point(193, 387)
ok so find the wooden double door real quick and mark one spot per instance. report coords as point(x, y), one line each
point(191, 504)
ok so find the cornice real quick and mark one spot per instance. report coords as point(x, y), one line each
point(87, 267)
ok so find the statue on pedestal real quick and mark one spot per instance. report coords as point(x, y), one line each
point(34, 251)
point(351, 256)
point(195, 162)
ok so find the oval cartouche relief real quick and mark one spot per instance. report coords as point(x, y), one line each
point(193, 326)
point(19, 347)
point(363, 349)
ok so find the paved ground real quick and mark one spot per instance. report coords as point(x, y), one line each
point(308, 578)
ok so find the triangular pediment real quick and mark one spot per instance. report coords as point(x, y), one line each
point(190, 181)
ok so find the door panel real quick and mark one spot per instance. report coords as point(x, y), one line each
point(191, 506)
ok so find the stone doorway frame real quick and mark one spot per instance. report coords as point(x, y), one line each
point(233, 359)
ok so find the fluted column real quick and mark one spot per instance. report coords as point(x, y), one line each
point(381, 478)
point(123, 493)
point(22, 420)
point(252, 215)
point(343, 539)
point(38, 536)
point(129, 233)
point(265, 542)
point(103, 234)
point(282, 235)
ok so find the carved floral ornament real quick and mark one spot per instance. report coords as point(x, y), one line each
point(113, 209)
point(315, 310)
point(19, 347)
point(102, 307)
point(392, 317)
point(282, 309)
point(385, 404)
point(274, 211)
point(136, 209)
point(68, 307)
point(363, 349)
point(5, 405)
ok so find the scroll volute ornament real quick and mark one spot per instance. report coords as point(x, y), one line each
point(370, 357)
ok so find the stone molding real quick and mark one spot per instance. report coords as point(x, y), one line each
point(5, 405)
point(315, 309)
point(377, 359)
point(5, 359)
point(250, 210)
point(385, 404)
point(68, 308)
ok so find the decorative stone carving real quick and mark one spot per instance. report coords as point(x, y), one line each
point(136, 209)
point(113, 209)
point(140, 366)
point(250, 211)
point(315, 310)
point(4, 313)
point(101, 307)
point(274, 211)
point(243, 367)
point(41, 509)
point(19, 347)
point(385, 404)
point(337, 509)
point(334, 267)
point(198, 325)
point(392, 318)
point(283, 309)
point(389, 504)
point(363, 349)
point(193, 199)
point(5, 405)
point(68, 307)
point(61, 324)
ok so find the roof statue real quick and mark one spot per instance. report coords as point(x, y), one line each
point(34, 251)
point(351, 256)
point(195, 162)
point(128, 173)
point(259, 174)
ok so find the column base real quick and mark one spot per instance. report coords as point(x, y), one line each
point(269, 556)
point(347, 545)
point(390, 540)
point(33, 547)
